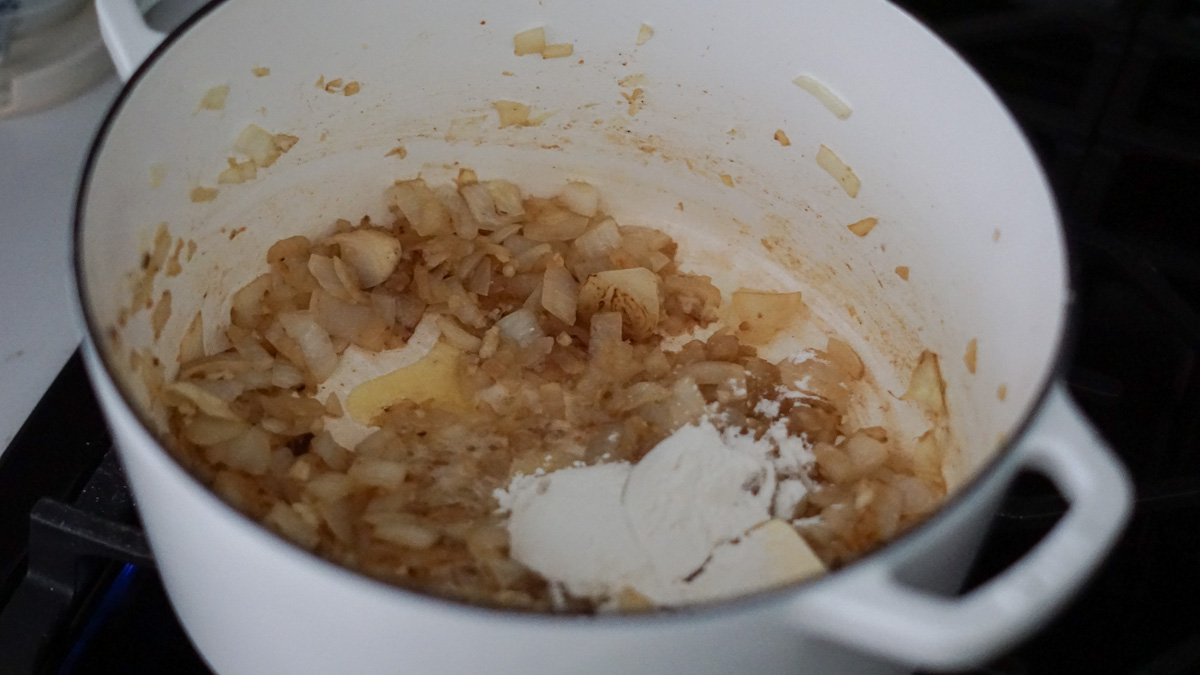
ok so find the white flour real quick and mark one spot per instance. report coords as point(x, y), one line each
point(686, 524)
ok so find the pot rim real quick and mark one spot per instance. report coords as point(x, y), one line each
point(997, 463)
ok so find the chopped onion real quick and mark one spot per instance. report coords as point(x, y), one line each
point(599, 240)
point(527, 260)
point(927, 462)
point(532, 41)
point(380, 473)
point(204, 430)
point(582, 198)
point(926, 387)
point(521, 327)
point(835, 167)
point(605, 329)
point(559, 294)
point(421, 208)
point(205, 401)
point(632, 292)
point(349, 279)
point(322, 270)
point(313, 342)
point(645, 32)
point(465, 225)
point(284, 519)
point(823, 94)
point(554, 223)
point(403, 530)
point(558, 50)
point(356, 323)
point(249, 348)
point(863, 227)
point(286, 376)
point(458, 336)
point(493, 203)
point(249, 451)
point(373, 254)
point(506, 197)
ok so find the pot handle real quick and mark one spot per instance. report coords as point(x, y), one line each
point(126, 35)
point(878, 613)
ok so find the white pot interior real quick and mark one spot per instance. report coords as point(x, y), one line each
point(959, 197)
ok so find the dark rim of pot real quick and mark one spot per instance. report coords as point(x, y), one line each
point(706, 610)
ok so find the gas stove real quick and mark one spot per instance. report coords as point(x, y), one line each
point(1109, 93)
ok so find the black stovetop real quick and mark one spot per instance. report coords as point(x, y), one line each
point(1109, 92)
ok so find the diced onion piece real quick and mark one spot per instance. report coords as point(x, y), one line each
point(458, 336)
point(559, 294)
point(551, 222)
point(823, 94)
point(287, 522)
point(521, 327)
point(782, 137)
point(558, 50)
point(863, 227)
point(927, 388)
point(493, 203)
point(327, 277)
point(532, 41)
point(205, 431)
point(375, 472)
point(633, 292)
point(205, 401)
point(258, 144)
point(512, 113)
point(644, 33)
point(420, 206)
point(605, 330)
point(971, 356)
point(328, 450)
point(465, 225)
point(249, 348)
point(762, 316)
point(356, 323)
point(902, 272)
point(506, 197)
point(372, 253)
point(835, 167)
point(404, 530)
point(844, 356)
point(286, 376)
point(866, 453)
point(249, 451)
point(599, 240)
point(927, 462)
point(214, 98)
point(313, 342)
point(582, 198)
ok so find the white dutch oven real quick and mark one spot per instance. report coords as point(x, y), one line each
point(960, 200)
